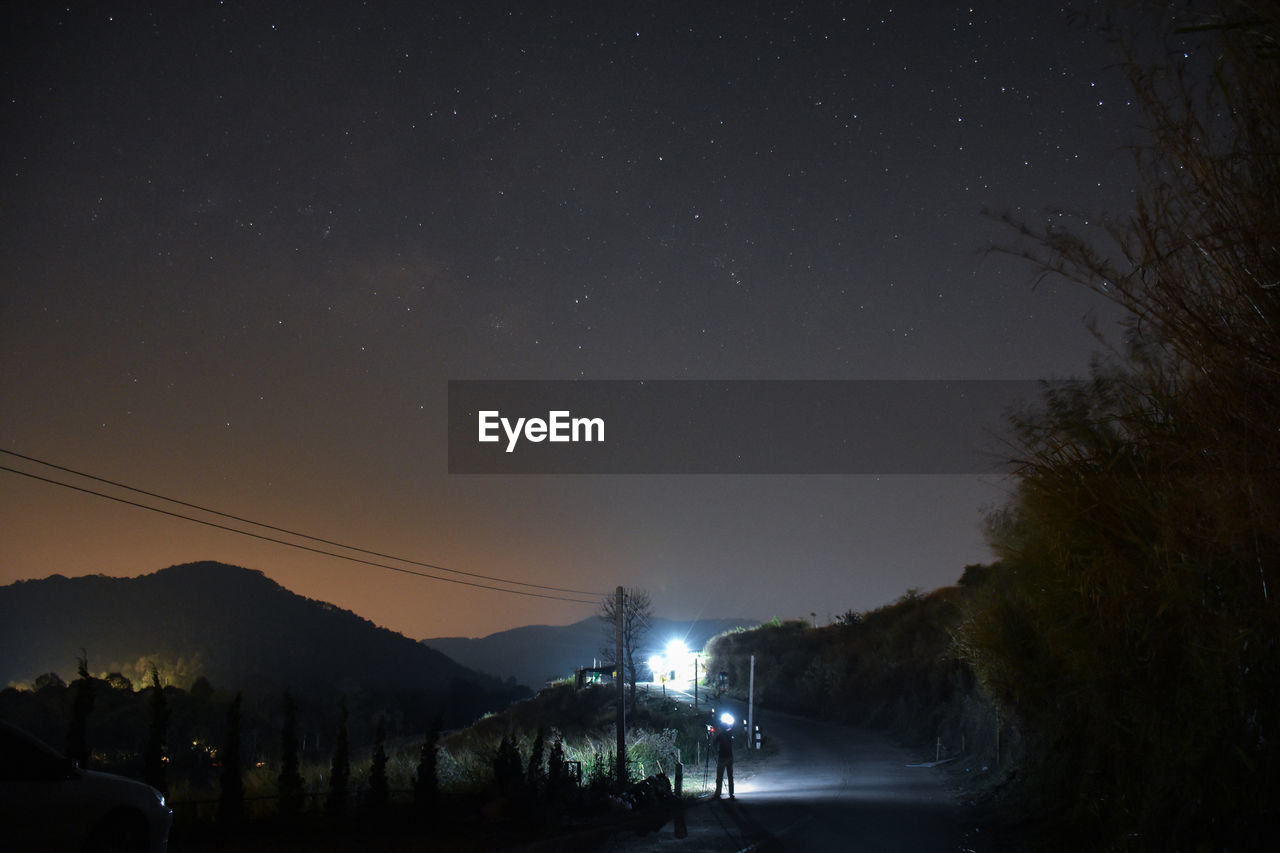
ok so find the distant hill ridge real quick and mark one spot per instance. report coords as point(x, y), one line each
point(536, 654)
point(234, 625)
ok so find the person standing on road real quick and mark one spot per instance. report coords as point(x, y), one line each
point(724, 755)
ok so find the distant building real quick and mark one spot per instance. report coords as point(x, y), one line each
point(586, 675)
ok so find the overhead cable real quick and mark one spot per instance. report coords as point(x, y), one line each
point(296, 534)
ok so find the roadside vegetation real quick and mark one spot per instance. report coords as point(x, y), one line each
point(896, 668)
point(291, 771)
point(1128, 636)
point(1133, 624)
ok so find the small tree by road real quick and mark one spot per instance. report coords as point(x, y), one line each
point(637, 615)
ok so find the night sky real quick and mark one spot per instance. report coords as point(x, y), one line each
point(245, 245)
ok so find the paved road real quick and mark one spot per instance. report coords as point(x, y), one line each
point(825, 788)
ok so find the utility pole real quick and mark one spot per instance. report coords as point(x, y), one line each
point(751, 704)
point(621, 715)
point(695, 682)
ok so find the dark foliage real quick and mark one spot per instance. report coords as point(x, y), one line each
point(602, 772)
point(536, 774)
point(379, 791)
point(81, 705)
point(231, 795)
point(340, 766)
point(426, 787)
point(557, 771)
point(508, 766)
point(894, 667)
point(289, 782)
point(153, 759)
point(1132, 625)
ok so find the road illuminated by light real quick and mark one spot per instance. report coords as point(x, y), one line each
point(817, 787)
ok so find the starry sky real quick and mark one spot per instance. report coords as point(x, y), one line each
point(245, 246)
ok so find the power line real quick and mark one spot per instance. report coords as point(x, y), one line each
point(266, 538)
point(295, 533)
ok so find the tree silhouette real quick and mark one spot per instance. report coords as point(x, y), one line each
point(1131, 623)
point(535, 775)
point(289, 782)
point(340, 769)
point(508, 768)
point(153, 759)
point(81, 706)
point(231, 796)
point(426, 788)
point(637, 614)
point(379, 791)
point(201, 690)
point(557, 770)
point(50, 680)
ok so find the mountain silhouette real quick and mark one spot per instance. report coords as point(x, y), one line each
point(235, 626)
point(536, 654)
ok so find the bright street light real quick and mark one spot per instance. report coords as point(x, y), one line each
point(674, 664)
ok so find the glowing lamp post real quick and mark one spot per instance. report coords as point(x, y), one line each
point(677, 654)
point(672, 663)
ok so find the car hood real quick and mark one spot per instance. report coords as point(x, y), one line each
point(123, 789)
